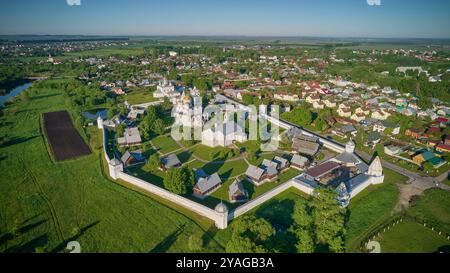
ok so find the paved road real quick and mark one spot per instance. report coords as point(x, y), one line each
point(417, 180)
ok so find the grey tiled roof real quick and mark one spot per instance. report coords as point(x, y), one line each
point(299, 160)
point(236, 188)
point(254, 172)
point(282, 162)
point(206, 183)
point(171, 161)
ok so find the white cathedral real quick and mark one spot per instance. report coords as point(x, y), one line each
point(166, 89)
point(188, 112)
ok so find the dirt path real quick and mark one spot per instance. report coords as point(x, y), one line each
point(407, 191)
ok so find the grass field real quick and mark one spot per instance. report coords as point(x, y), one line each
point(46, 204)
point(371, 208)
point(434, 208)
point(139, 96)
point(165, 144)
point(218, 153)
point(410, 237)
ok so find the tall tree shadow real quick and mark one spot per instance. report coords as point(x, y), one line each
point(62, 246)
point(24, 228)
point(209, 235)
point(29, 246)
point(16, 140)
point(165, 244)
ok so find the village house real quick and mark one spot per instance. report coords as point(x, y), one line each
point(380, 115)
point(237, 192)
point(282, 163)
point(255, 175)
point(383, 125)
point(270, 169)
point(391, 149)
point(329, 103)
point(171, 161)
point(427, 156)
point(447, 140)
point(132, 158)
point(305, 147)
point(358, 117)
point(413, 132)
point(299, 162)
point(131, 137)
point(443, 148)
point(313, 98)
point(207, 185)
point(284, 96)
point(344, 110)
point(234, 93)
point(318, 105)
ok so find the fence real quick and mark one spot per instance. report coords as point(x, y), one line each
point(395, 220)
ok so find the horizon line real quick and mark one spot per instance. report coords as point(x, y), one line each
point(236, 36)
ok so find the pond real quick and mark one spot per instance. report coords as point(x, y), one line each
point(14, 92)
point(94, 114)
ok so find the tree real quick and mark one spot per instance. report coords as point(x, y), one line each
point(250, 235)
point(425, 103)
point(247, 99)
point(179, 180)
point(336, 245)
point(301, 214)
point(328, 216)
point(153, 163)
point(112, 112)
point(120, 129)
point(159, 127)
point(305, 242)
point(166, 103)
point(320, 124)
point(302, 116)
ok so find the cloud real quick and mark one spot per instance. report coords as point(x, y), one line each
point(78, 2)
point(374, 2)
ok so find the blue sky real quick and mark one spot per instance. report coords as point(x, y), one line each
point(332, 18)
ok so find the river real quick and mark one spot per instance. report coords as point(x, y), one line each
point(14, 92)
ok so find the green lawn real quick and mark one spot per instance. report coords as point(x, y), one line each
point(434, 208)
point(226, 170)
point(371, 208)
point(52, 203)
point(165, 144)
point(139, 96)
point(218, 153)
point(410, 237)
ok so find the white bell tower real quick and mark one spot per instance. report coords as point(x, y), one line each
point(221, 211)
point(375, 171)
point(100, 122)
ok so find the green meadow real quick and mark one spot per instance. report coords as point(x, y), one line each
point(46, 204)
